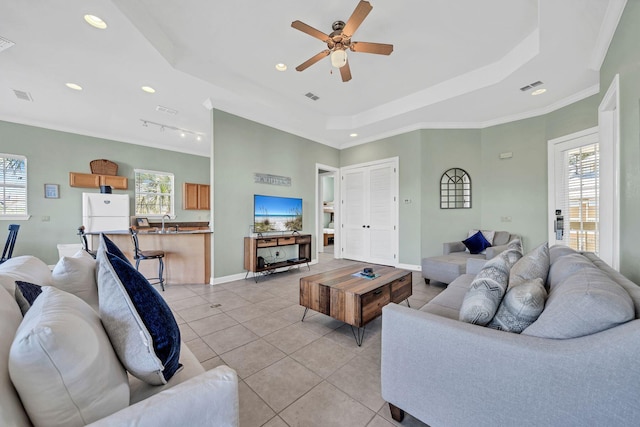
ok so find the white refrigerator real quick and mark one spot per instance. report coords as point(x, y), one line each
point(105, 212)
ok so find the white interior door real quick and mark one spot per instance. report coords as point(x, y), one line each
point(369, 205)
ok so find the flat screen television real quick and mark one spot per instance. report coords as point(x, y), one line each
point(272, 213)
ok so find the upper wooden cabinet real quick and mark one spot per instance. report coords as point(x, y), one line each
point(90, 180)
point(195, 196)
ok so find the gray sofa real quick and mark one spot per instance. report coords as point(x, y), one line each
point(449, 373)
point(452, 263)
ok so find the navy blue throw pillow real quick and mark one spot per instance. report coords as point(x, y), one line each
point(476, 243)
point(139, 322)
point(26, 294)
point(112, 248)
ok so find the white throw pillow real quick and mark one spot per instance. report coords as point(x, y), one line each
point(62, 363)
point(25, 268)
point(77, 275)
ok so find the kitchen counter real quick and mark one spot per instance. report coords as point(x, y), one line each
point(187, 252)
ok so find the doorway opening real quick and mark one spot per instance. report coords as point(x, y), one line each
point(327, 197)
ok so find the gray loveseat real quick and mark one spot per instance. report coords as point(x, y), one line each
point(452, 263)
point(449, 373)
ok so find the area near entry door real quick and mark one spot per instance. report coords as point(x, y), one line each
point(370, 212)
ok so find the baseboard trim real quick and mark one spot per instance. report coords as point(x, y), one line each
point(411, 267)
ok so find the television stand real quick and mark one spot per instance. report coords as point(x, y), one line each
point(253, 245)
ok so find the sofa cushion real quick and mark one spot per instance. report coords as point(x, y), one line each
point(520, 306)
point(139, 322)
point(26, 268)
point(501, 238)
point(534, 264)
point(62, 363)
point(26, 293)
point(77, 275)
point(487, 234)
point(476, 243)
point(483, 297)
point(565, 267)
point(557, 251)
point(585, 303)
point(11, 410)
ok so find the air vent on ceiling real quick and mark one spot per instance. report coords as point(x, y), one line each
point(25, 96)
point(5, 44)
point(166, 110)
point(312, 96)
point(530, 86)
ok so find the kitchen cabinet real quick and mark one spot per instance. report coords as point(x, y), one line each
point(195, 196)
point(91, 180)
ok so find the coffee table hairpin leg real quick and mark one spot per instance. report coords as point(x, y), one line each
point(305, 313)
point(358, 334)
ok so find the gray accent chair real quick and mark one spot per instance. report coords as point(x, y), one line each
point(453, 261)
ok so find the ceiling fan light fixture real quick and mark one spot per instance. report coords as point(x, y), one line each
point(339, 58)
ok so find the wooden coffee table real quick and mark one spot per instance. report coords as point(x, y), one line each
point(354, 300)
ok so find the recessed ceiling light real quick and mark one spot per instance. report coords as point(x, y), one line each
point(538, 92)
point(281, 67)
point(353, 135)
point(148, 89)
point(95, 22)
point(73, 86)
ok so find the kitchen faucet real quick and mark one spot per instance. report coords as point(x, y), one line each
point(163, 217)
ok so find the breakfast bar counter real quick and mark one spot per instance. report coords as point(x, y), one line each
point(187, 252)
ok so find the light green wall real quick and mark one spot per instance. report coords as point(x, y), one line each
point(443, 150)
point(407, 148)
point(623, 58)
point(51, 155)
point(242, 148)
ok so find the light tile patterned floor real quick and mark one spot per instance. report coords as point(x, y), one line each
point(292, 373)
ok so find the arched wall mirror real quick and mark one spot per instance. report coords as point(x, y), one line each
point(455, 189)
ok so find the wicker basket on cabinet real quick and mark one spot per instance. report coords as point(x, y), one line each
point(104, 167)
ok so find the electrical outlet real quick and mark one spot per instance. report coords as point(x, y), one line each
point(46, 218)
point(277, 253)
point(505, 219)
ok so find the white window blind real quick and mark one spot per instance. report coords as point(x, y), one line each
point(154, 193)
point(580, 197)
point(13, 186)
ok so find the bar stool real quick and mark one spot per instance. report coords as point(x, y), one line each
point(139, 255)
point(11, 241)
point(83, 240)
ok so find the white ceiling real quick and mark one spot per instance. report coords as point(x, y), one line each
point(456, 63)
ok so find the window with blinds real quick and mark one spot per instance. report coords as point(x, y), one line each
point(13, 186)
point(581, 197)
point(154, 193)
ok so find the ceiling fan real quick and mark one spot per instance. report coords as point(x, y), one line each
point(340, 40)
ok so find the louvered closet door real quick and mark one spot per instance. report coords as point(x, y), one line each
point(369, 206)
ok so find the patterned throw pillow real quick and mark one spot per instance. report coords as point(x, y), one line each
point(138, 321)
point(487, 289)
point(520, 307)
point(533, 265)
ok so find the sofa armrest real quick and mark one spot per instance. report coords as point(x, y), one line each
point(209, 399)
point(449, 247)
point(493, 251)
point(447, 372)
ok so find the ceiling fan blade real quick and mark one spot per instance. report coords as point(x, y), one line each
point(345, 72)
point(309, 62)
point(366, 47)
point(298, 25)
point(361, 11)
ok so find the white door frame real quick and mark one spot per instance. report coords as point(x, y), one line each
point(609, 126)
point(336, 208)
